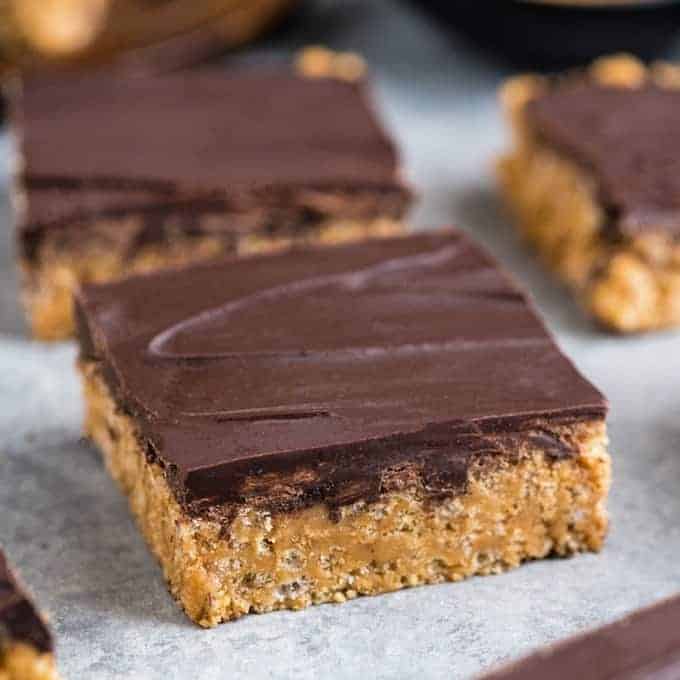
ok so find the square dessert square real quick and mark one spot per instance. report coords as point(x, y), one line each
point(308, 427)
point(120, 175)
point(644, 645)
point(593, 180)
point(26, 644)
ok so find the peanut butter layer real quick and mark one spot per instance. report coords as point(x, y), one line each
point(592, 184)
point(523, 505)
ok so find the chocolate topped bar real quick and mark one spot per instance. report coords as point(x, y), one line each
point(315, 425)
point(121, 175)
point(642, 646)
point(593, 181)
point(329, 367)
point(112, 143)
point(20, 621)
point(628, 138)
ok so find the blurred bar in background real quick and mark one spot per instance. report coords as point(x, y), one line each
point(548, 34)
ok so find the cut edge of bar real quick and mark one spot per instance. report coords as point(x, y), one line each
point(263, 562)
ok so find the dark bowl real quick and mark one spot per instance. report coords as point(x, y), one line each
point(548, 35)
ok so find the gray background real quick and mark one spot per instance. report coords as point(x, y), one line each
point(67, 526)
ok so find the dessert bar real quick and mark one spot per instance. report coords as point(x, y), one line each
point(308, 427)
point(593, 181)
point(26, 645)
point(120, 175)
point(642, 646)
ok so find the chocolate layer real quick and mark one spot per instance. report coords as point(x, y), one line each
point(252, 143)
point(321, 375)
point(629, 139)
point(19, 619)
point(643, 646)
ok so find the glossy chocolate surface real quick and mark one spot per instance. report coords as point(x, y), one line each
point(315, 374)
point(19, 619)
point(629, 139)
point(251, 143)
point(642, 646)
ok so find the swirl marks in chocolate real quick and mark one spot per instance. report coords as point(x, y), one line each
point(253, 415)
point(223, 321)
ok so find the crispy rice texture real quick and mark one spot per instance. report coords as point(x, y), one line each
point(512, 510)
point(628, 286)
point(49, 282)
point(19, 661)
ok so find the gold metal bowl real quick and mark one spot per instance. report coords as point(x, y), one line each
point(38, 31)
